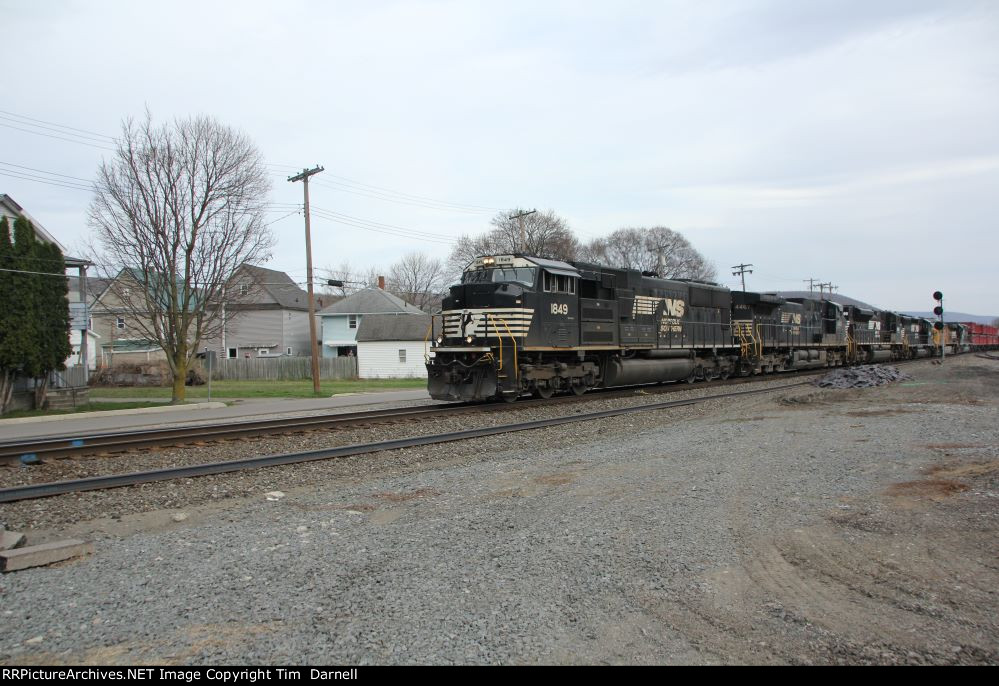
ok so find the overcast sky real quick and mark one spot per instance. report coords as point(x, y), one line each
point(855, 142)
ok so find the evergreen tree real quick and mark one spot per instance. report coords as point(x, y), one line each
point(24, 303)
point(52, 307)
point(10, 351)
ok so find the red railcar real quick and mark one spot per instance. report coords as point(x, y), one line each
point(982, 336)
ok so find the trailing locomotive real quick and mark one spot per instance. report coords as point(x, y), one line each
point(518, 324)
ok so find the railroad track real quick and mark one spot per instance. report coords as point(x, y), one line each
point(82, 445)
point(43, 490)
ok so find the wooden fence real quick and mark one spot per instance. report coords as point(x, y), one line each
point(284, 368)
point(71, 377)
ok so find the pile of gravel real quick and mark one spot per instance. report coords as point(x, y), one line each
point(864, 376)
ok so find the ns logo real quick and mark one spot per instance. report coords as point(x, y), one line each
point(673, 308)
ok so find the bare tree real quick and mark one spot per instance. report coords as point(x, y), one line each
point(995, 323)
point(175, 212)
point(419, 280)
point(547, 235)
point(657, 249)
point(353, 279)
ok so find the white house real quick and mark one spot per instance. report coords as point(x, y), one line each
point(392, 345)
point(341, 321)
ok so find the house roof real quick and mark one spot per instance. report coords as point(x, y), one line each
point(10, 208)
point(279, 286)
point(372, 301)
point(95, 286)
point(393, 327)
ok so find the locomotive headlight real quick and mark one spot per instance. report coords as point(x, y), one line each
point(488, 260)
point(440, 340)
point(469, 339)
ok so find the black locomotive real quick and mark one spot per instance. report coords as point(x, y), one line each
point(518, 324)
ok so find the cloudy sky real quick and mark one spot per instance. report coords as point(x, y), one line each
point(849, 141)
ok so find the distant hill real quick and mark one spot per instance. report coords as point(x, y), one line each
point(846, 300)
point(835, 297)
point(957, 317)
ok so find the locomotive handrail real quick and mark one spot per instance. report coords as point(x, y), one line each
point(426, 340)
point(499, 337)
point(516, 367)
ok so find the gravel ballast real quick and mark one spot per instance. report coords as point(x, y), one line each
point(802, 526)
point(863, 376)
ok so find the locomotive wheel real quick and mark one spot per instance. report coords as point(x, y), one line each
point(692, 377)
point(508, 398)
point(544, 392)
point(578, 386)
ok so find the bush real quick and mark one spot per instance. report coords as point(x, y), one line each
point(133, 374)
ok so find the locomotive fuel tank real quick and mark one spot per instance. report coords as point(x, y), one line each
point(629, 372)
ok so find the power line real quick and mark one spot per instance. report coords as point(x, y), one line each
point(742, 271)
point(48, 135)
point(377, 229)
point(280, 218)
point(50, 128)
point(429, 234)
point(381, 190)
point(62, 126)
point(50, 182)
point(66, 176)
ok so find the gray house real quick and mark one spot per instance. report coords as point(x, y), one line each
point(266, 315)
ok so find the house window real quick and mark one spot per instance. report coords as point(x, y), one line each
point(232, 353)
point(288, 351)
point(120, 323)
point(402, 355)
point(352, 319)
point(263, 352)
point(243, 289)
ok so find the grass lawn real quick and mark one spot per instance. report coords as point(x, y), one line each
point(263, 389)
point(89, 407)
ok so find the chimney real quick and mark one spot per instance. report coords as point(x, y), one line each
point(381, 282)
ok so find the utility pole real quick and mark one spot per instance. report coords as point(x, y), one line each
point(811, 284)
point(523, 234)
point(314, 346)
point(742, 271)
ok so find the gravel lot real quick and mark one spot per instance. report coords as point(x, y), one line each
point(800, 526)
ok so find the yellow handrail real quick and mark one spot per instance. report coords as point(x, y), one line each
point(516, 367)
point(426, 341)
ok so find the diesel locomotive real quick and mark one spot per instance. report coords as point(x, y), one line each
point(518, 324)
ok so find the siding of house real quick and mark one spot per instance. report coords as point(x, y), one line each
point(336, 330)
point(251, 331)
point(296, 333)
point(380, 359)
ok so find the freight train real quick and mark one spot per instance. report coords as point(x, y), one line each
point(518, 324)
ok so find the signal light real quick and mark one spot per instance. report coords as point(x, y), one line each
point(938, 310)
point(937, 295)
point(938, 326)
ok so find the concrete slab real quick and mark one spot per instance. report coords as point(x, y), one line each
point(44, 554)
point(11, 539)
point(114, 413)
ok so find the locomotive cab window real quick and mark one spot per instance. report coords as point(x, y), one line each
point(521, 275)
point(558, 283)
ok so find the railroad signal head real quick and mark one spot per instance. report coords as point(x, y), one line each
point(938, 326)
point(937, 295)
point(938, 310)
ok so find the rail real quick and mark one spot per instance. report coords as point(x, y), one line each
point(43, 490)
